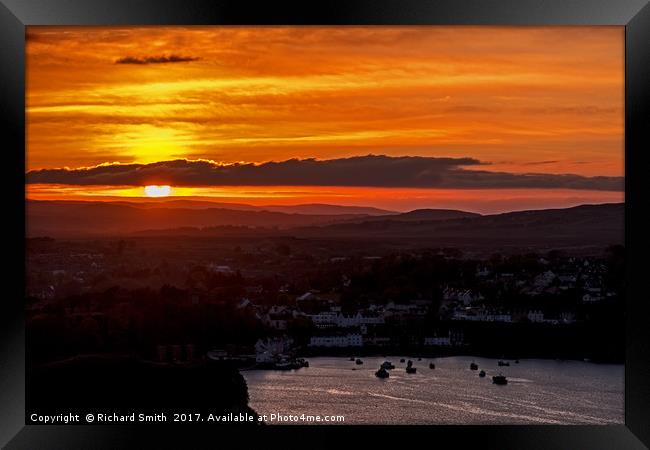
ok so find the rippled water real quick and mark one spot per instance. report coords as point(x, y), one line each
point(538, 392)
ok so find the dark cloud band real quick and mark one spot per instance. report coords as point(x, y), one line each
point(155, 59)
point(370, 171)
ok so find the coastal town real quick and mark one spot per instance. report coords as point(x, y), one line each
point(270, 301)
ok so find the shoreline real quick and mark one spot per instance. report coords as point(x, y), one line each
point(432, 354)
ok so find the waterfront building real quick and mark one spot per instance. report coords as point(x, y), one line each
point(337, 340)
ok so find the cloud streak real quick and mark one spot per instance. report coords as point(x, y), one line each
point(155, 59)
point(357, 171)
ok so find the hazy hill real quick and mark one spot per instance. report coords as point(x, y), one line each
point(426, 215)
point(583, 225)
point(191, 203)
point(95, 218)
point(323, 209)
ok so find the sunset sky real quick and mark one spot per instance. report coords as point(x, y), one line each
point(477, 118)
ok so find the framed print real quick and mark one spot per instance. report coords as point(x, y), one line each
point(408, 221)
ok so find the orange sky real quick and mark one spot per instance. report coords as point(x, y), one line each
point(544, 100)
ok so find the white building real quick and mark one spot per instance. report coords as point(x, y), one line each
point(357, 320)
point(400, 310)
point(337, 259)
point(544, 279)
point(307, 296)
point(567, 317)
point(481, 315)
point(335, 319)
point(347, 340)
point(325, 319)
point(467, 314)
point(535, 316)
point(377, 340)
point(440, 341)
point(217, 268)
point(497, 318)
point(590, 298)
point(464, 296)
point(277, 322)
point(243, 303)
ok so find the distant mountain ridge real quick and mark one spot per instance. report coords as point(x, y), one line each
point(427, 214)
point(581, 225)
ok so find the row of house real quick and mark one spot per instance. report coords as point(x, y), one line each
point(535, 316)
point(337, 340)
point(343, 340)
point(480, 315)
point(329, 319)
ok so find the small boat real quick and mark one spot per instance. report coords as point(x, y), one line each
point(301, 362)
point(503, 364)
point(284, 365)
point(387, 365)
point(473, 366)
point(358, 362)
point(402, 360)
point(352, 358)
point(382, 373)
point(432, 366)
point(481, 373)
point(410, 368)
point(499, 379)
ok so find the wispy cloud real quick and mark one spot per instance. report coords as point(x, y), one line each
point(370, 171)
point(539, 163)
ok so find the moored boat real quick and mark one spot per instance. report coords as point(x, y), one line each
point(410, 368)
point(503, 364)
point(382, 373)
point(358, 362)
point(387, 365)
point(285, 365)
point(473, 366)
point(499, 379)
point(481, 373)
point(432, 366)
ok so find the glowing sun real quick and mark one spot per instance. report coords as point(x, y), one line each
point(157, 191)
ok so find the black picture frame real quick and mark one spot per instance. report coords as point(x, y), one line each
point(15, 15)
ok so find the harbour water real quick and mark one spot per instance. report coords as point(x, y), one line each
point(538, 392)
